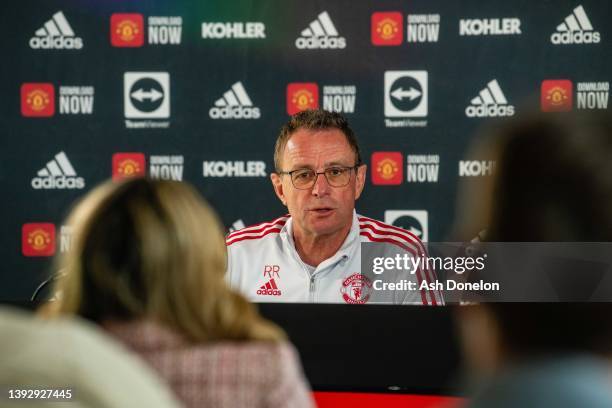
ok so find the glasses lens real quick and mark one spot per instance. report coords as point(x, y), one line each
point(338, 176)
point(303, 178)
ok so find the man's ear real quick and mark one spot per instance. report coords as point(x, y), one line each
point(277, 183)
point(360, 176)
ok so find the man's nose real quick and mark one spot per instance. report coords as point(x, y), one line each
point(321, 187)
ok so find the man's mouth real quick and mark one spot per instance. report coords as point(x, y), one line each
point(322, 210)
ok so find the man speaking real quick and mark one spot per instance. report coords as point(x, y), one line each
point(313, 254)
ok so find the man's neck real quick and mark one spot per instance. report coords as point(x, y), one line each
point(314, 249)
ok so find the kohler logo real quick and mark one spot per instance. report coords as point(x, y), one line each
point(234, 169)
point(474, 168)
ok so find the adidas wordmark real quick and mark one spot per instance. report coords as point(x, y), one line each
point(490, 102)
point(321, 33)
point(58, 173)
point(56, 33)
point(234, 104)
point(576, 29)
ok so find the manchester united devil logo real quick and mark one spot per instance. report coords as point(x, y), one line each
point(356, 289)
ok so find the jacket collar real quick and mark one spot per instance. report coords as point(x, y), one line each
point(346, 251)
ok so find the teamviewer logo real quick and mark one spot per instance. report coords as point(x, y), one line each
point(405, 94)
point(146, 95)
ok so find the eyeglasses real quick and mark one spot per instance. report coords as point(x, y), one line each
point(304, 179)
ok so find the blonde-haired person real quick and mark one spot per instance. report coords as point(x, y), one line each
point(147, 263)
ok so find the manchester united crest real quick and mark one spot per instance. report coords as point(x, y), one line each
point(356, 289)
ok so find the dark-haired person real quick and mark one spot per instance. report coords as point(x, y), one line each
point(552, 183)
point(147, 264)
point(313, 254)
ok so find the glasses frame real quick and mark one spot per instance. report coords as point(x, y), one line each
point(349, 168)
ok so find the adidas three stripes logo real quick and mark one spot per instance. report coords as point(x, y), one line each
point(490, 102)
point(321, 33)
point(56, 33)
point(576, 29)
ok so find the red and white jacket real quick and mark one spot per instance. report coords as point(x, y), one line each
point(264, 266)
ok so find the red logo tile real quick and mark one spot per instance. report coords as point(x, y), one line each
point(387, 168)
point(127, 165)
point(38, 239)
point(302, 96)
point(556, 95)
point(37, 99)
point(127, 30)
point(387, 28)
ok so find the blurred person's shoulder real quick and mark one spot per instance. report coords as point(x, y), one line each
point(572, 381)
point(280, 380)
point(72, 353)
point(163, 346)
point(236, 372)
point(272, 353)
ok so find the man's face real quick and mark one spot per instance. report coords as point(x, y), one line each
point(322, 209)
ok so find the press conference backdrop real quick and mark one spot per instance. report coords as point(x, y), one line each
point(197, 91)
